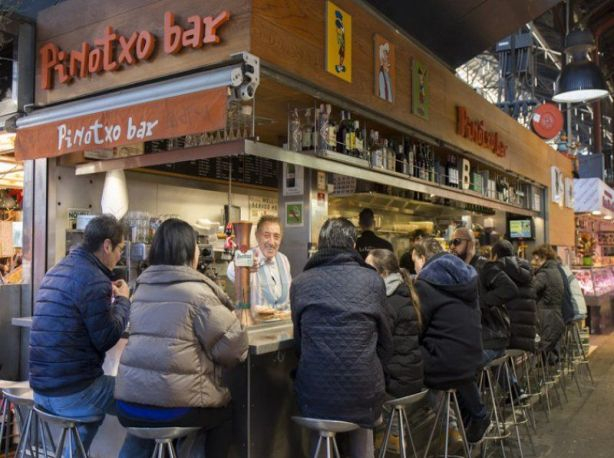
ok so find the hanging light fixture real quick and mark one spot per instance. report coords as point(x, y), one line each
point(580, 80)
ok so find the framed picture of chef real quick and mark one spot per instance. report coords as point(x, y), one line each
point(385, 68)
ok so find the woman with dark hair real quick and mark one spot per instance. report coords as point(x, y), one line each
point(550, 292)
point(183, 331)
point(404, 369)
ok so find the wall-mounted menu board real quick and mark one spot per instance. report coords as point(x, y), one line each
point(246, 169)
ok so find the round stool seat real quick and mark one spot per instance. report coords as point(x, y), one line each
point(407, 400)
point(514, 353)
point(19, 396)
point(63, 421)
point(497, 362)
point(328, 426)
point(167, 433)
point(13, 384)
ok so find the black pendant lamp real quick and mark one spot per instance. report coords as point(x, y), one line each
point(580, 80)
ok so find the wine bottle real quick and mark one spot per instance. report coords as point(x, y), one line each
point(308, 131)
point(359, 143)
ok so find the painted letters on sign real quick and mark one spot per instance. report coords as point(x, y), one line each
point(477, 133)
point(112, 51)
point(202, 111)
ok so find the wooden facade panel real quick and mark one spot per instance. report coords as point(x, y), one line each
point(278, 37)
point(125, 20)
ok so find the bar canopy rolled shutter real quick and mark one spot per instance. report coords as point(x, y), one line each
point(186, 105)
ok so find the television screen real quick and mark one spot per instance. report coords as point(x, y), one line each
point(521, 228)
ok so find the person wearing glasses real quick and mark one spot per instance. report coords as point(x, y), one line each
point(80, 314)
point(270, 278)
point(464, 245)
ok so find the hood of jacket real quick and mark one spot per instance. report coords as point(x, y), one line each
point(451, 274)
point(167, 275)
point(519, 270)
point(335, 257)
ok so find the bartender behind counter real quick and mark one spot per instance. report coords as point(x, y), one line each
point(368, 240)
point(270, 277)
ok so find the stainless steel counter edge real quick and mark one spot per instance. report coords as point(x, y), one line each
point(23, 322)
point(270, 337)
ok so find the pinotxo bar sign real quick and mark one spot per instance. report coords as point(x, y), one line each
point(475, 131)
point(202, 111)
point(113, 51)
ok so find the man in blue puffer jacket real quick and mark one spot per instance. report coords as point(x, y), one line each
point(80, 313)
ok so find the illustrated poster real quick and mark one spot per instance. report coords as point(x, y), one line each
point(385, 68)
point(420, 89)
point(338, 42)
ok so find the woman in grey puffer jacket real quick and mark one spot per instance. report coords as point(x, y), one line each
point(183, 332)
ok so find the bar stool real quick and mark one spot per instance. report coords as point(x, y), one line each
point(398, 410)
point(164, 438)
point(69, 426)
point(493, 372)
point(5, 413)
point(327, 430)
point(23, 401)
point(448, 402)
point(516, 355)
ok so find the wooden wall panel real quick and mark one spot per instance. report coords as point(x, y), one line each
point(70, 23)
point(290, 35)
point(561, 220)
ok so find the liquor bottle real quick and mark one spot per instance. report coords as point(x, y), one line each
point(359, 143)
point(308, 131)
point(350, 135)
point(341, 131)
point(448, 172)
point(332, 132)
point(296, 134)
point(377, 155)
point(401, 159)
point(322, 143)
point(411, 159)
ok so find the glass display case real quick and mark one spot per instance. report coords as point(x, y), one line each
point(595, 281)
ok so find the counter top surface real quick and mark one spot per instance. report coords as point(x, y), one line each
point(263, 338)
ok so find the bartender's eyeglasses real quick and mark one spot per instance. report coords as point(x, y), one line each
point(457, 242)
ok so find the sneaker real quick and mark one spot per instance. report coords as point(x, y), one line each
point(478, 429)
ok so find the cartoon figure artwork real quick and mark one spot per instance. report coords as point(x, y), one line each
point(338, 42)
point(384, 68)
point(420, 89)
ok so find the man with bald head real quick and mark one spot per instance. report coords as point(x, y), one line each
point(464, 245)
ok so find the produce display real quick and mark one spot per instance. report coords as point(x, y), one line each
point(596, 281)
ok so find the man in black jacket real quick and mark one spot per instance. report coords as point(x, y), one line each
point(451, 341)
point(368, 240)
point(342, 335)
point(80, 313)
point(522, 308)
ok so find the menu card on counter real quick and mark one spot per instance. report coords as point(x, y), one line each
point(245, 169)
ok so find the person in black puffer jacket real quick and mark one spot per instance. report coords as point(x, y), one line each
point(549, 289)
point(496, 289)
point(404, 370)
point(451, 340)
point(342, 335)
point(521, 309)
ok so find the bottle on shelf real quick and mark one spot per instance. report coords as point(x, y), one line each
point(322, 143)
point(308, 130)
point(349, 135)
point(401, 159)
point(411, 159)
point(332, 131)
point(296, 134)
point(341, 131)
point(377, 154)
point(389, 156)
point(359, 144)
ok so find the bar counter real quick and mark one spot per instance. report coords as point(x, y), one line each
point(262, 393)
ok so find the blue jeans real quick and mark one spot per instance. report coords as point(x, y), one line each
point(96, 399)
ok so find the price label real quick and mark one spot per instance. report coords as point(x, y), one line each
point(244, 259)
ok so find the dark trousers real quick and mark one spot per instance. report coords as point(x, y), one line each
point(215, 422)
point(470, 403)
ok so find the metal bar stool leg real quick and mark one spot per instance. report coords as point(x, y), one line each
point(171, 450)
point(42, 435)
point(4, 427)
point(60, 450)
point(585, 361)
point(337, 454)
point(509, 389)
point(401, 424)
point(434, 428)
point(329, 447)
point(461, 426)
point(161, 452)
point(382, 451)
point(318, 447)
point(411, 439)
